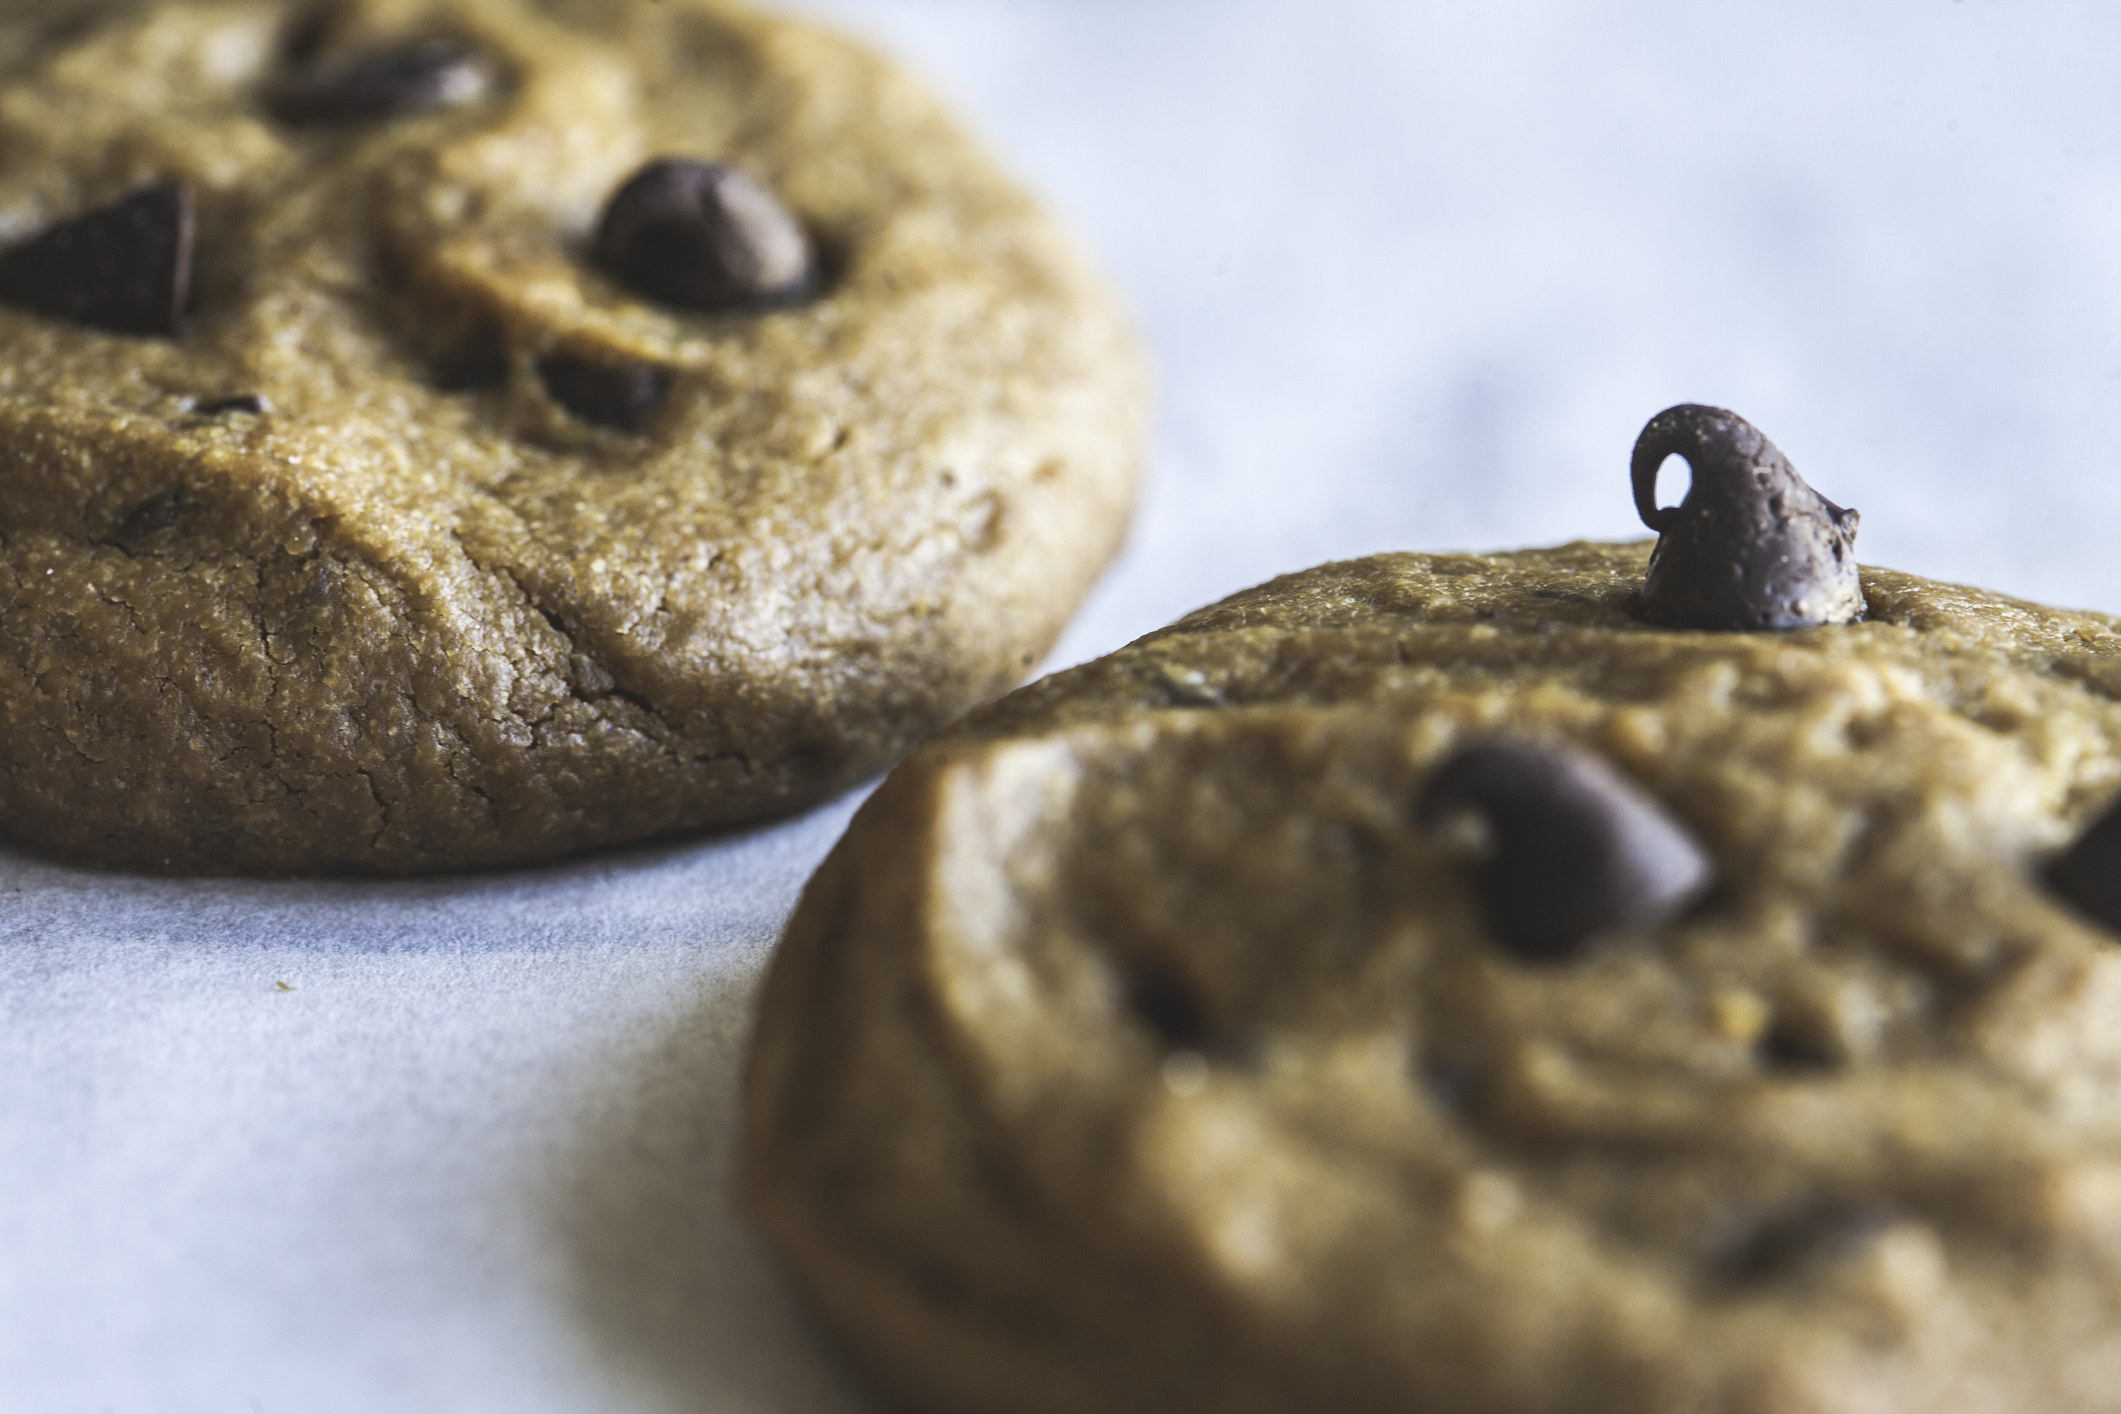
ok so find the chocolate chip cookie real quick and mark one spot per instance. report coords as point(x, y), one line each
point(447, 433)
point(1573, 980)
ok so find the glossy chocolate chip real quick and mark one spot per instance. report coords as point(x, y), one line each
point(2088, 875)
point(381, 84)
point(235, 404)
point(701, 236)
point(157, 512)
point(626, 396)
point(1751, 548)
point(1566, 848)
point(124, 267)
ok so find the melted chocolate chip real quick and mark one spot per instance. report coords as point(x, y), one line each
point(1571, 849)
point(701, 236)
point(157, 512)
point(381, 84)
point(244, 404)
point(2088, 875)
point(124, 267)
point(1752, 547)
point(626, 396)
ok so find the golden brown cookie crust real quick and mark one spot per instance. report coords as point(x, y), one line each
point(394, 625)
point(1134, 1051)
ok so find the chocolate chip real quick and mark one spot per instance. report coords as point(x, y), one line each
point(1167, 1004)
point(124, 267)
point(305, 33)
point(622, 395)
point(702, 236)
point(380, 84)
point(157, 512)
point(2088, 875)
point(478, 360)
point(1453, 1083)
point(1784, 1245)
point(1751, 547)
point(245, 404)
point(1568, 849)
point(1794, 1044)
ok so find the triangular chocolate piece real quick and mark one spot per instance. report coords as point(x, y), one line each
point(1752, 548)
point(125, 267)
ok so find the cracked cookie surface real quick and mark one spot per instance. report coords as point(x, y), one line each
point(1135, 1050)
point(426, 543)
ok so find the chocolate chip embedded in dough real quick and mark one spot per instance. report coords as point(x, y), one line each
point(1785, 1245)
point(1752, 547)
point(626, 396)
point(478, 359)
point(125, 267)
point(702, 236)
point(1168, 1005)
point(235, 404)
point(1567, 847)
point(2088, 875)
point(157, 512)
point(380, 84)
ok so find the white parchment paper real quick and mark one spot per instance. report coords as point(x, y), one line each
point(1416, 271)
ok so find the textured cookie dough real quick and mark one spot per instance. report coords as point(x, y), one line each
point(1134, 1051)
point(419, 615)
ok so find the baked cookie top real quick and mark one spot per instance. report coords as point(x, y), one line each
point(1140, 1048)
point(381, 497)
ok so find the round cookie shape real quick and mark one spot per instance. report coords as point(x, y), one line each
point(420, 539)
point(1139, 1048)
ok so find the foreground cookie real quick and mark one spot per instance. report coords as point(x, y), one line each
point(1153, 1041)
point(451, 432)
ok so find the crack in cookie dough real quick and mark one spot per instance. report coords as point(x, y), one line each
point(406, 608)
point(1138, 1048)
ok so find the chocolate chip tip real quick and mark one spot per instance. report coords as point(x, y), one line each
point(1751, 548)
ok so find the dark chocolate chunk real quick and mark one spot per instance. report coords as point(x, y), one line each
point(381, 84)
point(245, 404)
point(1568, 848)
point(157, 512)
point(124, 267)
point(622, 395)
point(702, 236)
point(1751, 548)
point(2088, 875)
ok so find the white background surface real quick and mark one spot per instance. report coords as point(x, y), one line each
point(1415, 274)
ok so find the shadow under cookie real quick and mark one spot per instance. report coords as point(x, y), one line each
point(679, 1297)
